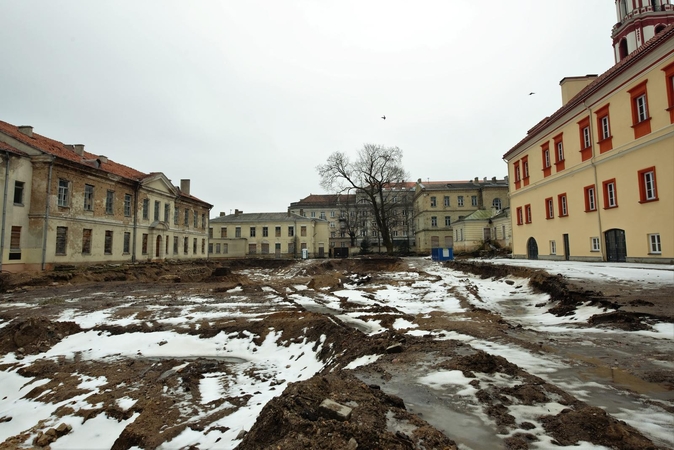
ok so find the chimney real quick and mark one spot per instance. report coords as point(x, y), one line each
point(573, 85)
point(493, 179)
point(222, 214)
point(485, 179)
point(26, 129)
point(237, 212)
point(477, 180)
point(185, 186)
point(101, 158)
point(77, 148)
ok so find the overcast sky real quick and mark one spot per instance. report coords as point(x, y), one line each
point(246, 98)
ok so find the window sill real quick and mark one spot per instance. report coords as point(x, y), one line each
point(595, 251)
point(642, 123)
point(649, 201)
point(563, 215)
point(610, 207)
point(18, 204)
point(590, 210)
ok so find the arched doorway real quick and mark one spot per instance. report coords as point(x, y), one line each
point(157, 248)
point(532, 249)
point(622, 49)
point(616, 246)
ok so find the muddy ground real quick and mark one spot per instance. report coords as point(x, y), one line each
point(383, 414)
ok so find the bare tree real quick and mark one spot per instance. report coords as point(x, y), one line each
point(374, 177)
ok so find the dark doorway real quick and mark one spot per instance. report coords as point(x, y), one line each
point(616, 247)
point(532, 249)
point(567, 251)
point(157, 249)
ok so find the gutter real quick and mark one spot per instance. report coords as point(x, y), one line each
point(46, 215)
point(602, 248)
point(4, 212)
point(135, 223)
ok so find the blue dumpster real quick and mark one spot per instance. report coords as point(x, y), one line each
point(442, 254)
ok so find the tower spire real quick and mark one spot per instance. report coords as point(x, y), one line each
point(638, 21)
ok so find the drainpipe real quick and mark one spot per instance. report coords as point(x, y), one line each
point(4, 212)
point(46, 216)
point(602, 248)
point(135, 223)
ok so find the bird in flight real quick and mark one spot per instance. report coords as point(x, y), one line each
point(383, 117)
point(531, 93)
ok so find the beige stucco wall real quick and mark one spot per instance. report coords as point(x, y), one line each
point(623, 162)
point(316, 237)
point(20, 169)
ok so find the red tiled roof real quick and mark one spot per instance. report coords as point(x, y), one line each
point(8, 148)
point(58, 149)
point(598, 83)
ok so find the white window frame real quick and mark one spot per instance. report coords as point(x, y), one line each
point(63, 193)
point(595, 244)
point(642, 108)
point(553, 247)
point(564, 210)
point(611, 198)
point(546, 155)
point(654, 244)
point(586, 137)
point(605, 128)
point(649, 185)
point(460, 200)
point(560, 151)
point(551, 210)
point(591, 199)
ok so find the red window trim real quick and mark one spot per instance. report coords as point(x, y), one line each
point(559, 205)
point(587, 198)
point(644, 127)
point(604, 186)
point(669, 82)
point(525, 173)
point(547, 170)
point(642, 185)
point(605, 144)
point(520, 216)
point(528, 216)
point(585, 152)
point(559, 163)
point(549, 208)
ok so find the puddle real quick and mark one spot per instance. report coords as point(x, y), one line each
point(449, 413)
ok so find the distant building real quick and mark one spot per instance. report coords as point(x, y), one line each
point(63, 205)
point(350, 217)
point(490, 227)
point(595, 180)
point(438, 204)
point(267, 235)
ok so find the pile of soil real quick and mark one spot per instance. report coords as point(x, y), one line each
point(375, 420)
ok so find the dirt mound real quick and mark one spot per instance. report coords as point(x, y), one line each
point(593, 425)
point(34, 335)
point(627, 321)
point(368, 419)
point(482, 362)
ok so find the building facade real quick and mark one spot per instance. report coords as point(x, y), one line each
point(594, 180)
point(268, 235)
point(490, 227)
point(438, 204)
point(351, 220)
point(63, 205)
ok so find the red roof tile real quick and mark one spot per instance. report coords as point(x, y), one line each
point(8, 148)
point(598, 83)
point(60, 150)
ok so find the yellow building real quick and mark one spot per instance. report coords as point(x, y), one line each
point(438, 204)
point(267, 235)
point(595, 180)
